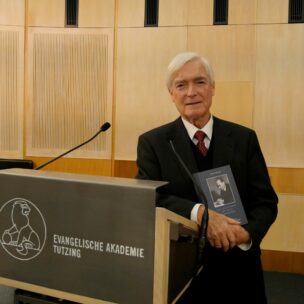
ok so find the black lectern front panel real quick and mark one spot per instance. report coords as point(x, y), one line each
point(85, 235)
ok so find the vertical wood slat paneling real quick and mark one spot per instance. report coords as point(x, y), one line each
point(69, 90)
point(11, 92)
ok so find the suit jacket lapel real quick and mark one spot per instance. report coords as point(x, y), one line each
point(182, 145)
point(222, 143)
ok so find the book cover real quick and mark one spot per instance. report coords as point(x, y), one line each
point(221, 192)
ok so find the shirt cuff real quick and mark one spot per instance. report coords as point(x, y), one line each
point(194, 212)
point(245, 246)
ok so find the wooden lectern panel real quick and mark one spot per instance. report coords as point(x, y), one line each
point(164, 220)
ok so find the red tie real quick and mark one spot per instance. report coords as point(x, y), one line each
point(200, 135)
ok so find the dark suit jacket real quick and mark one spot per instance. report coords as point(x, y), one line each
point(233, 145)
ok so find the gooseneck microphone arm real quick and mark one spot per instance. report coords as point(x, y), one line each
point(103, 128)
point(204, 222)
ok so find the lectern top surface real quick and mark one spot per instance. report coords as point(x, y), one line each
point(93, 179)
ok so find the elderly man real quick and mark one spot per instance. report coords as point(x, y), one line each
point(232, 269)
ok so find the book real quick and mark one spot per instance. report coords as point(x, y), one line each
point(221, 192)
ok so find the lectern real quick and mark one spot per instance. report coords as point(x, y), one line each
point(92, 239)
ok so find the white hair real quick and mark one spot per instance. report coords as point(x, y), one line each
point(181, 59)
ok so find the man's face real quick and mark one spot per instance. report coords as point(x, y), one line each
point(192, 93)
point(220, 185)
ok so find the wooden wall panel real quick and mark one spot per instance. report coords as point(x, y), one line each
point(200, 12)
point(230, 49)
point(46, 13)
point(242, 12)
point(287, 180)
point(92, 13)
point(173, 13)
point(12, 12)
point(69, 91)
point(287, 232)
point(279, 91)
point(125, 168)
point(234, 101)
point(131, 13)
point(142, 100)
point(272, 11)
point(76, 165)
point(11, 91)
point(283, 261)
point(284, 180)
point(96, 13)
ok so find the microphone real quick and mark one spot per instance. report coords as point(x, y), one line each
point(103, 128)
point(204, 223)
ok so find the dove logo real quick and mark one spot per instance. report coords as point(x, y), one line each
point(22, 229)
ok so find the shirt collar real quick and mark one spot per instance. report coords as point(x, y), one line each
point(191, 129)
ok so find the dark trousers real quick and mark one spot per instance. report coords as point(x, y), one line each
point(232, 277)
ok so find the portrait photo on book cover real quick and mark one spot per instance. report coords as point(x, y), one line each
point(220, 190)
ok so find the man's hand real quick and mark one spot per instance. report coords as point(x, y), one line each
point(223, 232)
